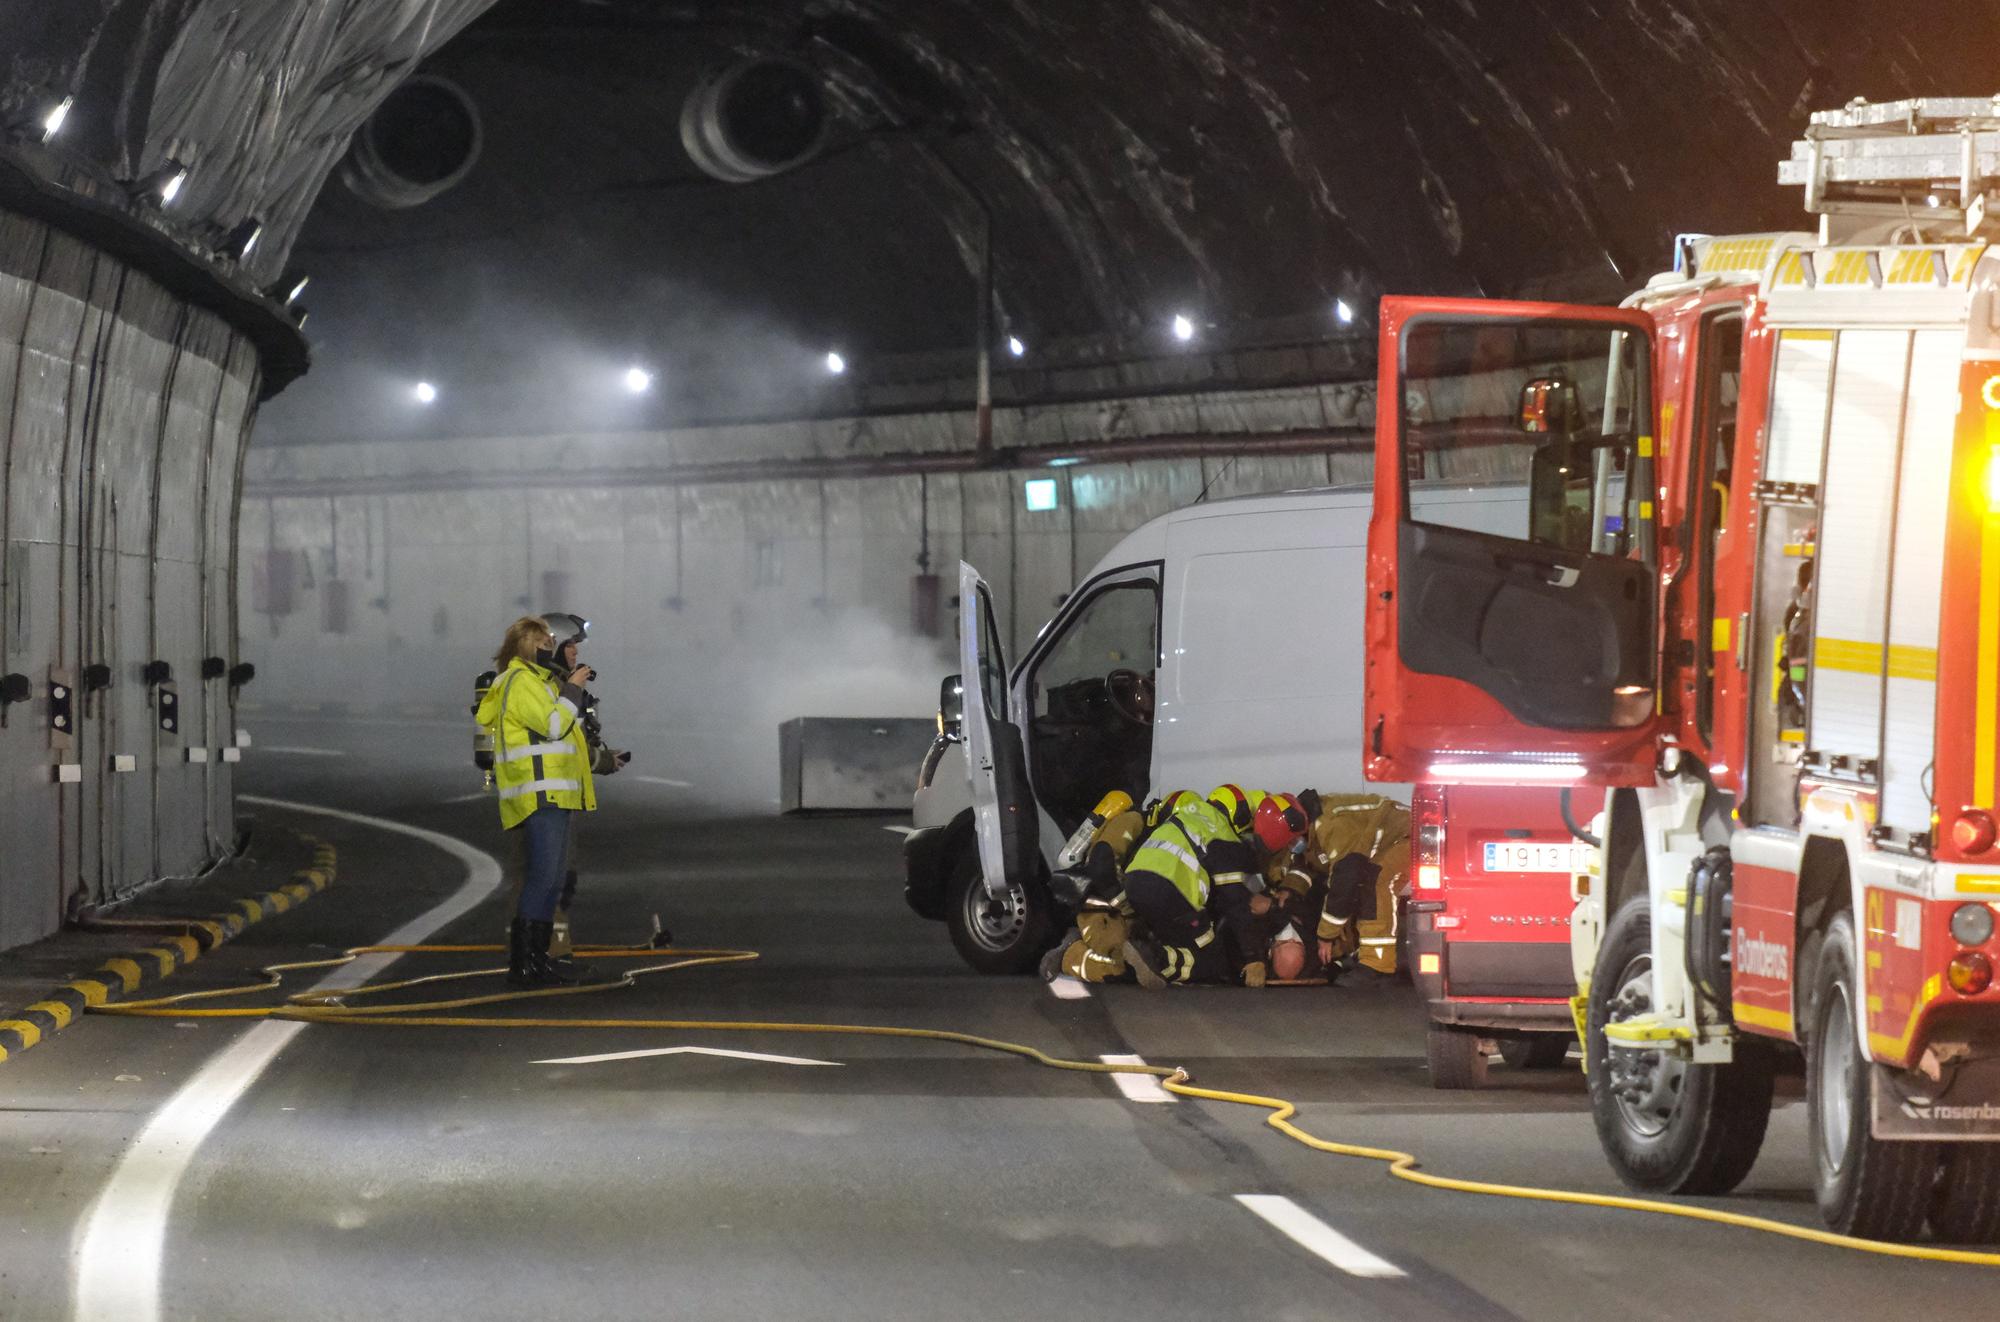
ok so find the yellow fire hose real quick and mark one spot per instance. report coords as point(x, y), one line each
point(331, 1007)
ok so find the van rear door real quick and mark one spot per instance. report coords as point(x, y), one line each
point(1511, 641)
point(1003, 805)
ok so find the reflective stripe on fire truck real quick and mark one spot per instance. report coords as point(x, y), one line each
point(1988, 670)
point(1905, 661)
point(1883, 1047)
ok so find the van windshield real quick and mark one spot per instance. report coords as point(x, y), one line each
point(1544, 406)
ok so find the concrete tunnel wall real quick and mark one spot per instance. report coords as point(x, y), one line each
point(718, 611)
point(124, 415)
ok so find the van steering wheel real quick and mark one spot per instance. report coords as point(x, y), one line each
point(1130, 693)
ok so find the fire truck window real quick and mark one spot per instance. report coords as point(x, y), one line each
point(1720, 350)
point(1541, 410)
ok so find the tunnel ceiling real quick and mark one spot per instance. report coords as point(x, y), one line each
point(1249, 162)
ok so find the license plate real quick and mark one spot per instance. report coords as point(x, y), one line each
point(1530, 856)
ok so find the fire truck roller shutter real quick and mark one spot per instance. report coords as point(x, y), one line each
point(1873, 688)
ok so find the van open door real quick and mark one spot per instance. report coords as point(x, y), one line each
point(1511, 579)
point(1003, 805)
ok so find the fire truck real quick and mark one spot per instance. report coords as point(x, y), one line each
point(1749, 630)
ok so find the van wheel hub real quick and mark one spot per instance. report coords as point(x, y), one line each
point(995, 921)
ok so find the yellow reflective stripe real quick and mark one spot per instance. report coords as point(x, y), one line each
point(30, 1033)
point(1848, 268)
point(1758, 1016)
point(1987, 699)
point(1646, 442)
point(1805, 334)
point(1791, 270)
point(1718, 638)
point(1861, 658)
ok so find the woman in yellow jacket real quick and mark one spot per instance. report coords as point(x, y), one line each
point(542, 766)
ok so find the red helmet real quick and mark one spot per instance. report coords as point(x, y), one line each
point(1279, 825)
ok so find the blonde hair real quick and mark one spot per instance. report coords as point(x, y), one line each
point(524, 637)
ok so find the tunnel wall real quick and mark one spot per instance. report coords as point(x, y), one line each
point(718, 610)
point(124, 414)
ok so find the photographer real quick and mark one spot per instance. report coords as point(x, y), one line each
point(542, 765)
point(570, 632)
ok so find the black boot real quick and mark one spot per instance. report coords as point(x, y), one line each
point(545, 972)
point(520, 959)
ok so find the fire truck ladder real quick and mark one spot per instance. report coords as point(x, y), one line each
point(1929, 160)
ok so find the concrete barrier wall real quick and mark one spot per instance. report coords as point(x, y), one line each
point(123, 418)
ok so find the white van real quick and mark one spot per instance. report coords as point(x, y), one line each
point(1218, 643)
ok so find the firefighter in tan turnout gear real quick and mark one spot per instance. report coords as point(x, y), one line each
point(1096, 953)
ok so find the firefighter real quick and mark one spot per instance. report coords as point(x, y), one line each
point(1095, 952)
point(571, 631)
point(1191, 884)
point(542, 767)
point(1360, 846)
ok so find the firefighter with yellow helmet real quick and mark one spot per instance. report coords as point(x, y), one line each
point(1191, 882)
point(1096, 952)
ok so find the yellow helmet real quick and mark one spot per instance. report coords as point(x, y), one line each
point(1234, 805)
point(1166, 806)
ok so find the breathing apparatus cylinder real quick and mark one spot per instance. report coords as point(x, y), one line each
point(1107, 807)
point(482, 736)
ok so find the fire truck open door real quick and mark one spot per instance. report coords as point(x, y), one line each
point(1511, 622)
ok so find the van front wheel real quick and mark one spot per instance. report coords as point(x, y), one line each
point(1006, 933)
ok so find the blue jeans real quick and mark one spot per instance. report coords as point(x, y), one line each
point(546, 862)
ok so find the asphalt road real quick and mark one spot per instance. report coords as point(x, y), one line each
point(344, 1172)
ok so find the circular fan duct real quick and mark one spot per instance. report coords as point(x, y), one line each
point(754, 119)
point(420, 141)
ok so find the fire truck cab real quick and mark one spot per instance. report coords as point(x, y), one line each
point(1751, 628)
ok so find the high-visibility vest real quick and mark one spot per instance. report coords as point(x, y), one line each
point(540, 758)
point(1196, 849)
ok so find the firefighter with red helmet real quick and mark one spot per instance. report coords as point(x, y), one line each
point(1191, 883)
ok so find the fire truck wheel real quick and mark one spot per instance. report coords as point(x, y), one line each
point(1535, 1051)
point(1667, 1125)
point(1457, 1057)
point(1003, 935)
point(1865, 1187)
point(1965, 1205)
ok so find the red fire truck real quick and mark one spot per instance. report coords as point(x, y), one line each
point(1754, 616)
point(1489, 915)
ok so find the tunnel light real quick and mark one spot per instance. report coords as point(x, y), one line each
point(835, 364)
point(638, 380)
point(425, 392)
point(1015, 347)
point(1183, 327)
point(292, 295)
point(1934, 201)
point(1067, 461)
point(163, 185)
point(53, 121)
point(1342, 312)
point(238, 244)
point(1039, 493)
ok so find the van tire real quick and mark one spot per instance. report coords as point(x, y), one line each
point(1667, 1125)
point(999, 937)
point(1536, 1051)
point(1457, 1057)
point(1864, 1186)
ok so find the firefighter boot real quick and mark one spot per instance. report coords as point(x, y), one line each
point(520, 964)
point(542, 970)
point(1146, 960)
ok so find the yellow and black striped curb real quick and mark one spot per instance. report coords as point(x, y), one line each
point(122, 975)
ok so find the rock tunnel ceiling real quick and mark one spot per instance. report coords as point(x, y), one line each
point(1250, 162)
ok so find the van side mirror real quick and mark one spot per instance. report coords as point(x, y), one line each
point(1550, 405)
point(951, 709)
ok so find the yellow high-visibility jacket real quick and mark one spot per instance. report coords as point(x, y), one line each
point(539, 755)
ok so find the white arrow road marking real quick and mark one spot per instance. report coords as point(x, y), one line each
point(685, 1051)
point(662, 780)
point(121, 1244)
point(1137, 1087)
point(1317, 1237)
point(905, 831)
point(297, 750)
point(1067, 988)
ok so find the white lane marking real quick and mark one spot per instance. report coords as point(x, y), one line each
point(905, 831)
point(686, 1051)
point(297, 750)
point(468, 798)
point(662, 780)
point(120, 1244)
point(1137, 1087)
point(1067, 988)
point(1316, 1236)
